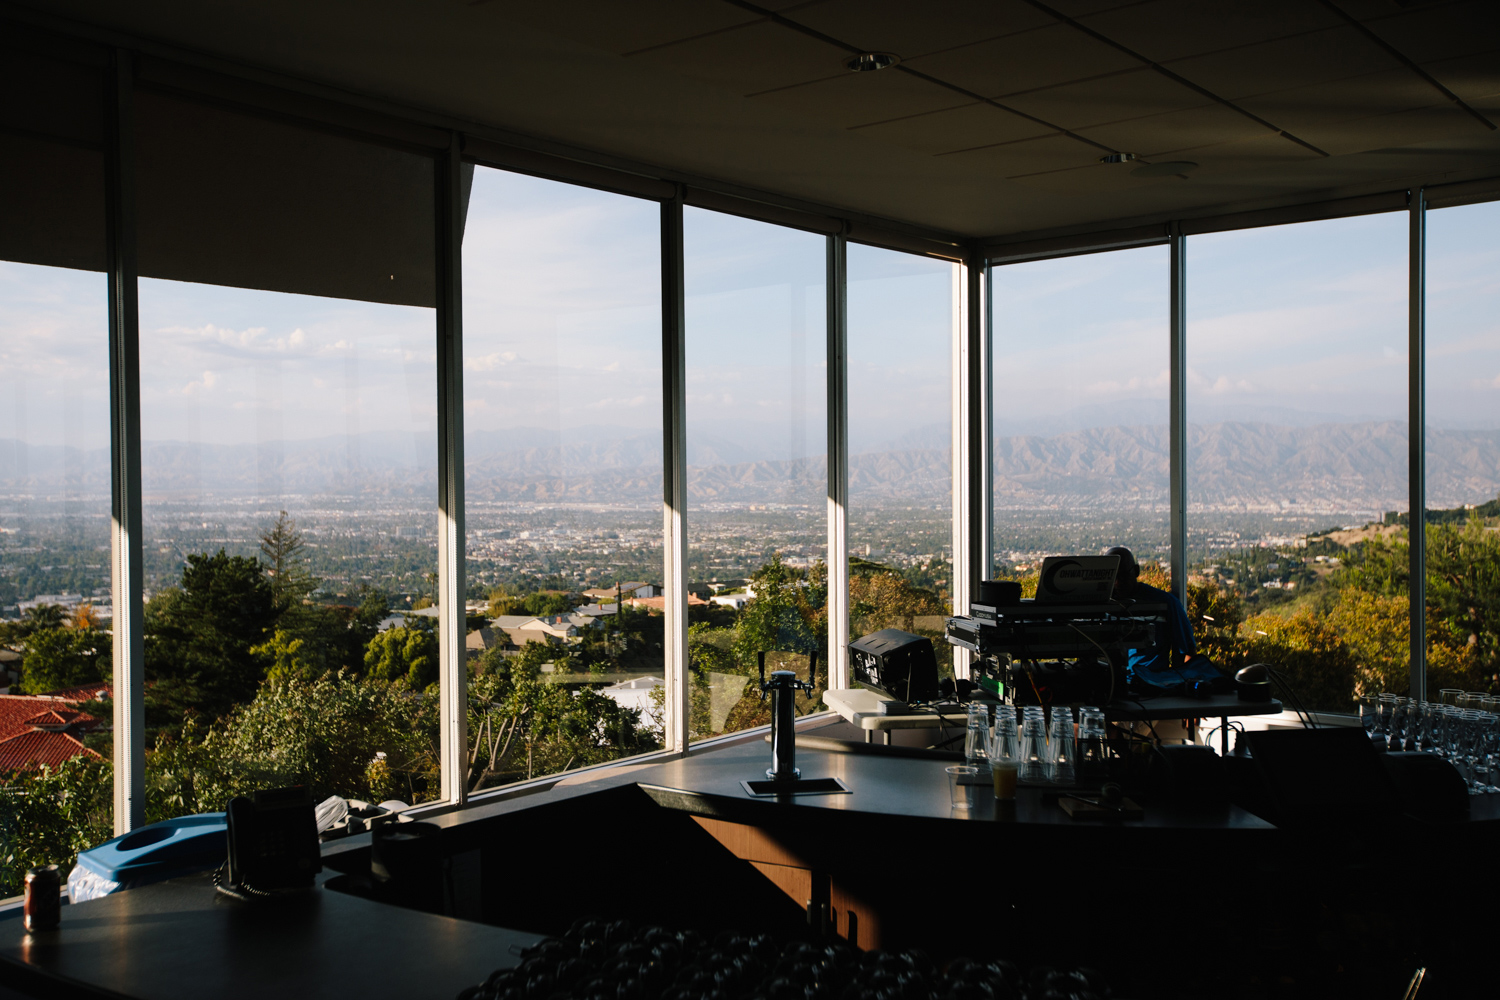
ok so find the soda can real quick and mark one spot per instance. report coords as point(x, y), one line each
point(43, 903)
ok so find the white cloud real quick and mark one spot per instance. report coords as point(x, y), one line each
point(200, 385)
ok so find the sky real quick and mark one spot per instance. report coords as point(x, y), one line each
point(1292, 324)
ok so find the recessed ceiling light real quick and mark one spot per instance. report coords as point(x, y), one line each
point(1172, 168)
point(869, 62)
point(1117, 158)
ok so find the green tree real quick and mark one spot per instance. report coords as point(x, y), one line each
point(407, 653)
point(286, 565)
point(59, 658)
point(522, 725)
point(326, 733)
point(200, 636)
point(49, 815)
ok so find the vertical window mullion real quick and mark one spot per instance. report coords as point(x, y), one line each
point(125, 454)
point(1416, 434)
point(452, 590)
point(676, 667)
point(1177, 413)
point(838, 461)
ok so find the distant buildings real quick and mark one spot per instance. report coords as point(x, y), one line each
point(627, 590)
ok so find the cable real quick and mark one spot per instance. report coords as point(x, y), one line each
point(1307, 719)
point(1110, 663)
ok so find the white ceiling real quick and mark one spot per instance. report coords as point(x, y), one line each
point(992, 124)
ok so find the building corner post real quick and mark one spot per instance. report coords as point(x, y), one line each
point(452, 585)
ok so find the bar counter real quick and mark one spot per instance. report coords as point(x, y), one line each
point(680, 843)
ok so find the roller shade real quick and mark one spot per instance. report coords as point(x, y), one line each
point(227, 198)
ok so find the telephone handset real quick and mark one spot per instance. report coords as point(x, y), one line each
point(273, 843)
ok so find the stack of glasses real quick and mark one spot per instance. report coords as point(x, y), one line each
point(1462, 727)
point(1042, 754)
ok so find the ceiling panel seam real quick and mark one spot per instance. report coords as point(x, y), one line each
point(1409, 63)
point(1175, 77)
point(855, 50)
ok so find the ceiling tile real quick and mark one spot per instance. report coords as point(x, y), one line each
point(967, 127)
point(748, 60)
point(1473, 78)
point(1041, 58)
point(1119, 97)
point(620, 28)
point(852, 99)
point(1030, 156)
point(1403, 128)
point(1176, 130)
point(1364, 96)
point(1174, 29)
point(911, 30)
point(1245, 156)
point(1285, 63)
point(1438, 31)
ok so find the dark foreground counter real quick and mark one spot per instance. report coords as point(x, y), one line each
point(682, 844)
point(181, 939)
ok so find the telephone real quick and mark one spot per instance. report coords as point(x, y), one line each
point(273, 843)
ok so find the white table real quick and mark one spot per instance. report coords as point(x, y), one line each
point(861, 707)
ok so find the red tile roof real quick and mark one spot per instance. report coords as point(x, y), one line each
point(43, 729)
point(37, 748)
point(85, 692)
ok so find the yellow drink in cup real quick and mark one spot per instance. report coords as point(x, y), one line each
point(1003, 773)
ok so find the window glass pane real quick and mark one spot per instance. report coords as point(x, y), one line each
point(1081, 375)
point(54, 567)
point(1297, 453)
point(900, 349)
point(563, 449)
point(1463, 447)
point(757, 478)
point(289, 460)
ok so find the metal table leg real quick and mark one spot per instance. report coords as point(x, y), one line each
point(1224, 736)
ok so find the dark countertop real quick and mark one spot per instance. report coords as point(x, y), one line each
point(181, 939)
point(884, 786)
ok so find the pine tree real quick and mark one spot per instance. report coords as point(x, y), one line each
point(282, 546)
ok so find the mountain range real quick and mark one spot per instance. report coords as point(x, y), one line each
point(1356, 465)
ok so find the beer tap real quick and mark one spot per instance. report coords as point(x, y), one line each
point(783, 687)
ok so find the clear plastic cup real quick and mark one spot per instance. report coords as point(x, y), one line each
point(1061, 748)
point(959, 787)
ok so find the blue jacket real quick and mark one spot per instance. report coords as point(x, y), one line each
point(1179, 631)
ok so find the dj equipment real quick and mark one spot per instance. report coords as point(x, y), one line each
point(897, 663)
point(1077, 579)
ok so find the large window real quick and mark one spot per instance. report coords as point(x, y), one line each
point(1297, 451)
point(563, 466)
point(900, 385)
point(289, 460)
point(1463, 447)
point(1080, 384)
point(757, 477)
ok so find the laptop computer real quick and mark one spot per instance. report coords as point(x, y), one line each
point(1077, 579)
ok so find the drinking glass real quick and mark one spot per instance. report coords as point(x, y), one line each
point(1470, 701)
point(1432, 715)
point(1449, 696)
point(975, 737)
point(1034, 747)
point(1061, 747)
point(1092, 759)
point(960, 788)
point(1388, 703)
point(1369, 713)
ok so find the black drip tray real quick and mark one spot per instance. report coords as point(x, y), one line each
point(802, 786)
